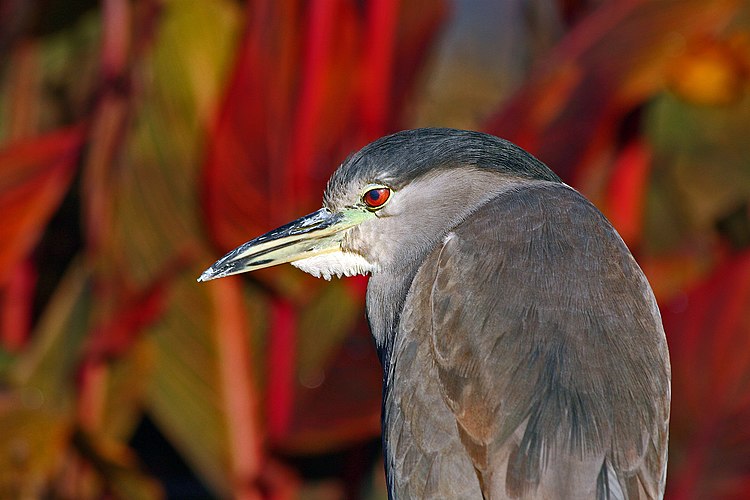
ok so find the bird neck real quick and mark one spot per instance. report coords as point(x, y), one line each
point(386, 294)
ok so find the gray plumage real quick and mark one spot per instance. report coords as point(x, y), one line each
point(522, 347)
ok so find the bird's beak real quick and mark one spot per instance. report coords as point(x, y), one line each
point(318, 233)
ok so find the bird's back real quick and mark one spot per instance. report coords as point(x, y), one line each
point(529, 360)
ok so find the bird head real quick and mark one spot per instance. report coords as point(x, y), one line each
point(389, 203)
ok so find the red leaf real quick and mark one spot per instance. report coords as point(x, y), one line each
point(378, 67)
point(415, 37)
point(16, 302)
point(35, 174)
point(709, 336)
point(626, 193)
point(345, 407)
point(117, 333)
point(115, 336)
point(281, 368)
point(238, 392)
point(317, 61)
point(263, 136)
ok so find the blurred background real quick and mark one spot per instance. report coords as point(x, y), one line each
point(142, 139)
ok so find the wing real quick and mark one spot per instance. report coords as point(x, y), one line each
point(549, 350)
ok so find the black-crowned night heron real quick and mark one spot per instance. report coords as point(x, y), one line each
point(522, 348)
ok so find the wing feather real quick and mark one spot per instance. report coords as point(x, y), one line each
point(549, 349)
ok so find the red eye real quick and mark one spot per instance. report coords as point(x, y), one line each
point(375, 198)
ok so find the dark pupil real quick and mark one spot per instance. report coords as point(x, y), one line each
point(374, 195)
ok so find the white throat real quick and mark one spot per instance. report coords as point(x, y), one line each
point(335, 263)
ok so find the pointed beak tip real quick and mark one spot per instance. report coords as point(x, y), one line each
point(206, 276)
